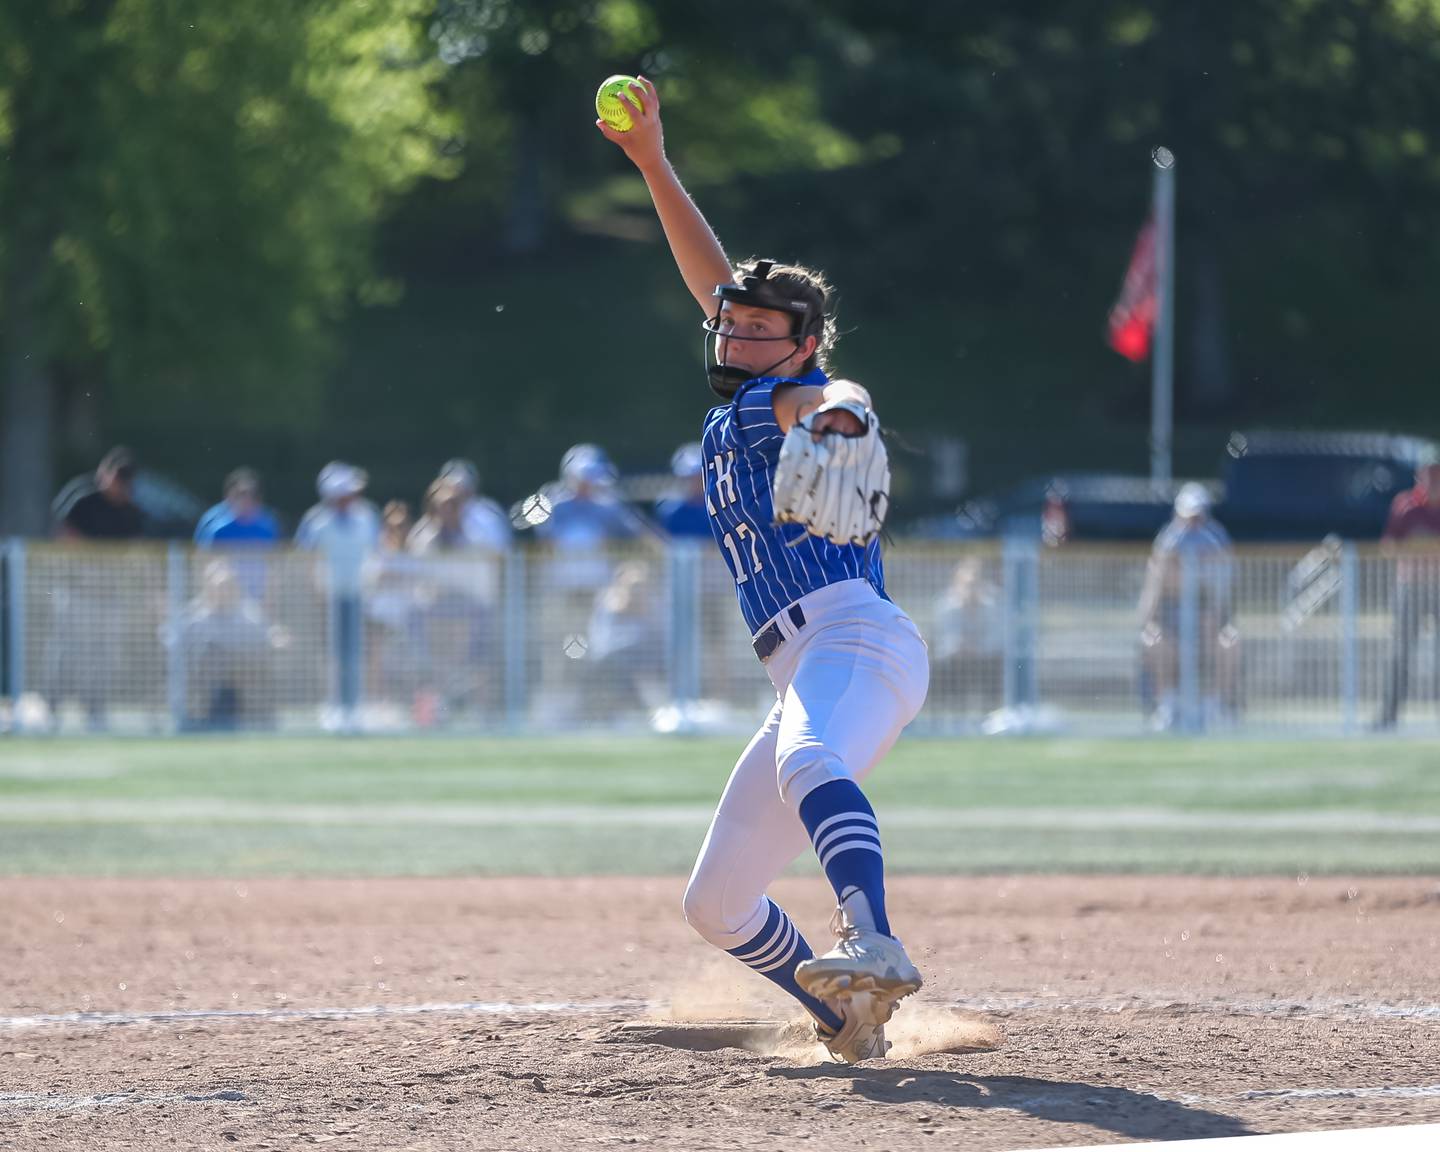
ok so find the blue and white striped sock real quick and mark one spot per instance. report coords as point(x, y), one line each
point(846, 838)
point(775, 952)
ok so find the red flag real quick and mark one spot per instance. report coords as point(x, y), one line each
point(1132, 319)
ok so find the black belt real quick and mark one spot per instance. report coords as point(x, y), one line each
point(771, 638)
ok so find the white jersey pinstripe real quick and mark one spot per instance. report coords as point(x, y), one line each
point(773, 564)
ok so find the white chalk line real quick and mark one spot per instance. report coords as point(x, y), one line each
point(43, 1102)
point(1263, 1095)
point(1328, 1008)
point(189, 1015)
point(50, 809)
point(56, 1102)
point(1400, 1092)
point(1332, 1008)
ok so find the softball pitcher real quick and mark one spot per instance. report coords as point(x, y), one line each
point(796, 487)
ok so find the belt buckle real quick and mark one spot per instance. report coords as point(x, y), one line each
point(766, 643)
point(771, 639)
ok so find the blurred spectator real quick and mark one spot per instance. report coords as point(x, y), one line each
point(967, 641)
point(240, 520)
point(396, 524)
point(392, 608)
point(100, 506)
point(583, 516)
point(483, 522)
point(683, 512)
point(1410, 536)
point(585, 513)
point(90, 607)
point(459, 593)
point(344, 529)
point(442, 527)
point(240, 517)
point(1195, 539)
point(626, 652)
point(579, 516)
point(229, 649)
point(1055, 515)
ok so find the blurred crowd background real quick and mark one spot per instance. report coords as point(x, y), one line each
point(278, 234)
point(295, 255)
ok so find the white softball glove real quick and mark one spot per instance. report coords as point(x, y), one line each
point(839, 486)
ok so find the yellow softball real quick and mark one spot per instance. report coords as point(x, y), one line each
point(613, 103)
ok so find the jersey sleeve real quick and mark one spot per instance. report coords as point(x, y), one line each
point(755, 417)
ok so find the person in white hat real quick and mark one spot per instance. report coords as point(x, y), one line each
point(1193, 540)
point(345, 529)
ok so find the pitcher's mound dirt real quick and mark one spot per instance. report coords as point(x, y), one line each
point(557, 1014)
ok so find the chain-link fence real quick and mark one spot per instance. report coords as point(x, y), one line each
point(157, 638)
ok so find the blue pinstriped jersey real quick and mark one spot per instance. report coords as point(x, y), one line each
point(773, 564)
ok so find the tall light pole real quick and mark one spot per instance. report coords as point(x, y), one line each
point(1162, 363)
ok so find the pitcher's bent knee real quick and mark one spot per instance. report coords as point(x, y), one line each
point(705, 911)
point(802, 769)
point(700, 912)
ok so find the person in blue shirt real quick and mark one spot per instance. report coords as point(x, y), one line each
point(239, 518)
point(241, 521)
point(682, 513)
point(849, 668)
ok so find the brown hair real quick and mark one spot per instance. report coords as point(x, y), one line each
point(797, 282)
point(396, 514)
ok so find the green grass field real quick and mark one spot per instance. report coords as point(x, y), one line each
point(574, 806)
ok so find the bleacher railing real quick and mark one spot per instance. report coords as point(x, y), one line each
point(159, 638)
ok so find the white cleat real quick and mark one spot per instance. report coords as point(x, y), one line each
point(862, 961)
point(859, 1037)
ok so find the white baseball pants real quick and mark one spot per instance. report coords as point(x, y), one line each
point(846, 685)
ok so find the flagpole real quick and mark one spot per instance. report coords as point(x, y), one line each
point(1162, 380)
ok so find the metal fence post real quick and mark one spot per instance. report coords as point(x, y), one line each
point(15, 616)
point(176, 572)
point(681, 557)
point(1009, 646)
point(514, 602)
point(1019, 596)
point(332, 639)
point(1191, 718)
point(1349, 636)
point(694, 667)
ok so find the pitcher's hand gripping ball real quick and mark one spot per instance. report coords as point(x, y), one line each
point(613, 103)
point(837, 486)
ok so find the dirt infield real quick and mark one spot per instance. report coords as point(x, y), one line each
point(548, 1014)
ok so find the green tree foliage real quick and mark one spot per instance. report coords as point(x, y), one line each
point(190, 201)
point(973, 175)
point(205, 178)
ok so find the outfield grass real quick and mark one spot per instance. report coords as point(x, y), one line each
point(572, 806)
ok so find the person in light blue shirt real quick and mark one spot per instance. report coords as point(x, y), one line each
point(585, 515)
point(344, 528)
point(1196, 542)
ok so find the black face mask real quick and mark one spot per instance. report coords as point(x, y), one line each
point(756, 290)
